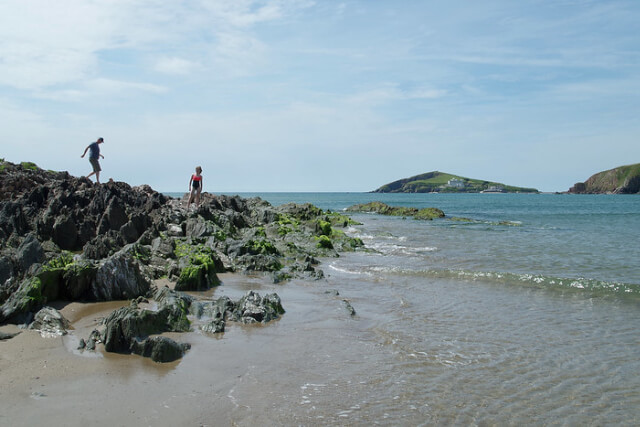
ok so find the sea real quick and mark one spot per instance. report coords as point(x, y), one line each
point(514, 309)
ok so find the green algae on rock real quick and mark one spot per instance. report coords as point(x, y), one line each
point(384, 209)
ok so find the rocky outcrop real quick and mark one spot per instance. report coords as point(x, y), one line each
point(136, 328)
point(384, 209)
point(65, 238)
point(620, 180)
point(130, 329)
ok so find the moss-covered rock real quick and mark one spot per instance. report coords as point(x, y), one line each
point(383, 209)
point(323, 228)
point(324, 242)
point(198, 275)
point(127, 326)
point(198, 267)
point(429, 214)
point(24, 301)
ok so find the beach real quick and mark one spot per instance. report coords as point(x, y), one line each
point(527, 313)
point(249, 375)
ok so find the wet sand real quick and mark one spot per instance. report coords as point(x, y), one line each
point(249, 375)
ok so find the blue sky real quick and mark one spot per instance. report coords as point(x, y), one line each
point(300, 95)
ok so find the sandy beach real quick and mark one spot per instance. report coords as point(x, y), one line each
point(235, 378)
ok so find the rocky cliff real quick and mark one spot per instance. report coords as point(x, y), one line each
point(620, 180)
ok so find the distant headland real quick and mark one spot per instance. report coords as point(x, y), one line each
point(442, 182)
point(620, 180)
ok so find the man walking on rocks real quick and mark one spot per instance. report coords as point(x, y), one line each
point(94, 157)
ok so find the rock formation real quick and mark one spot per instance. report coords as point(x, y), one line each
point(65, 238)
point(384, 209)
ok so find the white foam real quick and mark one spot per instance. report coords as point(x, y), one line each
point(346, 271)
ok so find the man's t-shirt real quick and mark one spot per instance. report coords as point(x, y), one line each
point(94, 151)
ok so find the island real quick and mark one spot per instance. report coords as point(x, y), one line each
point(620, 180)
point(442, 182)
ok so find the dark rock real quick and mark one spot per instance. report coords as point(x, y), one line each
point(160, 349)
point(119, 277)
point(29, 252)
point(260, 262)
point(164, 247)
point(114, 217)
point(198, 227)
point(6, 269)
point(578, 188)
point(26, 299)
point(253, 308)
point(12, 219)
point(129, 232)
point(50, 322)
point(78, 279)
point(103, 245)
point(127, 328)
point(65, 233)
point(7, 336)
point(350, 309)
point(91, 344)
point(214, 326)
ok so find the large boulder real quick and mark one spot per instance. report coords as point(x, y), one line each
point(119, 277)
point(29, 252)
point(19, 307)
point(252, 308)
point(129, 329)
point(160, 349)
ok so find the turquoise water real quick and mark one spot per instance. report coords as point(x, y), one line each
point(529, 313)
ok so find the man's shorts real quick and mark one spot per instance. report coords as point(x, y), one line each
point(95, 164)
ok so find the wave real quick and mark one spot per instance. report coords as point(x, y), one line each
point(578, 285)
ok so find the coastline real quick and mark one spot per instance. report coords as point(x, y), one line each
point(499, 320)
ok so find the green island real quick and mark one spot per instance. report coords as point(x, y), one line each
point(620, 180)
point(442, 182)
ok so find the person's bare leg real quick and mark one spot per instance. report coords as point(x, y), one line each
point(190, 200)
point(98, 177)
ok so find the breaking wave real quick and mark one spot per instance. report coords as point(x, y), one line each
point(579, 285)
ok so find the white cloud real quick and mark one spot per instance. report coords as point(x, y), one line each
point(100, 89)
point(174, 65)
point(46, 43)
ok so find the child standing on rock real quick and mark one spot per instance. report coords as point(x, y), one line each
point(195, 187)
point(94, 157)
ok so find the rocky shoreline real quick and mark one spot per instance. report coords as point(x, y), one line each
point(64, 238)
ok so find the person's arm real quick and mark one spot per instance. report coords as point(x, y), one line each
point(201, 184)
point(101, 156)
point(190, 182)
point(85, 151)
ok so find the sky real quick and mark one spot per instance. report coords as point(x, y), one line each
point(302, 95)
